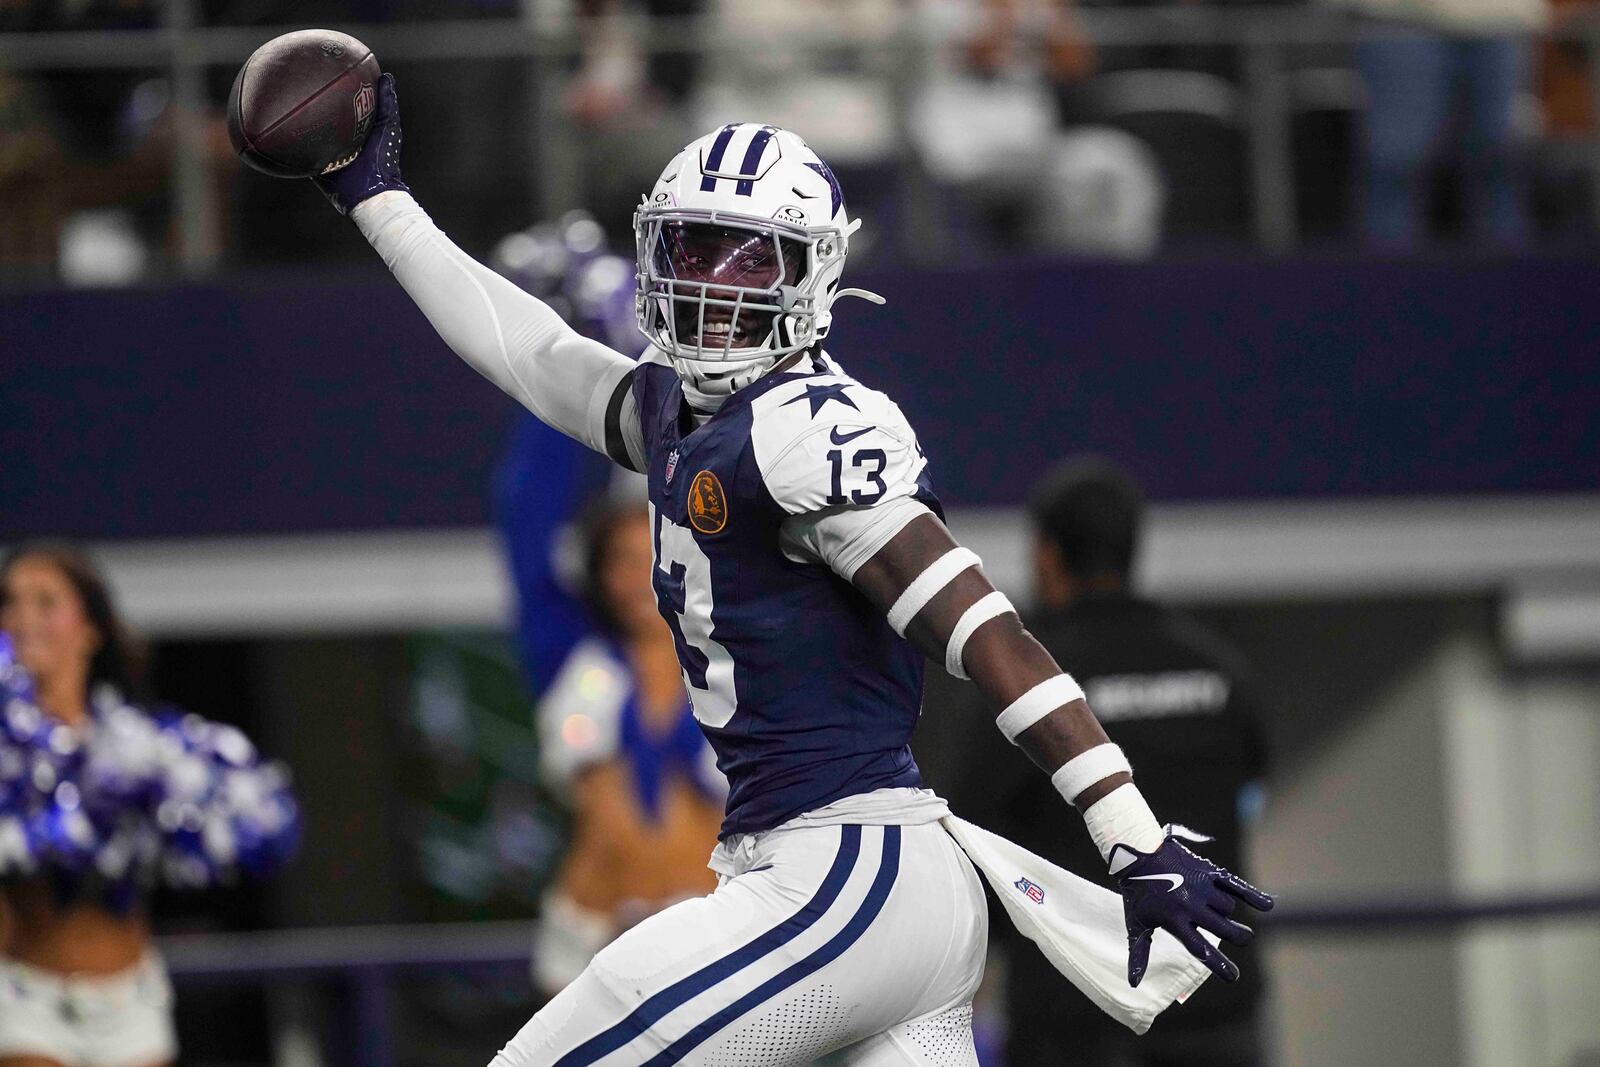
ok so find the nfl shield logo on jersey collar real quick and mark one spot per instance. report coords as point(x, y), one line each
point(672, 464)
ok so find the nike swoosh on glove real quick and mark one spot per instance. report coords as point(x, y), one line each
point(1173, 889)
point(376, 169)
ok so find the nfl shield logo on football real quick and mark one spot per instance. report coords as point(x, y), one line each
point(1033, 892)
point(366, 100)
point(672, 464)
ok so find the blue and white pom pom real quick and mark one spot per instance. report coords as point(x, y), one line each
point(174, 797)
point(222, 810)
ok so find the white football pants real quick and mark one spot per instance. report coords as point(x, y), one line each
point(854, 945)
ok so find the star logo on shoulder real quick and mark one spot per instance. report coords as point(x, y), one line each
point(819, 395)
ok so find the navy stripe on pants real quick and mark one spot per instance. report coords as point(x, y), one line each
point(836, 946)
point(685, 989)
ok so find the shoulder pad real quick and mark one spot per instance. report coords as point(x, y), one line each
point(829, 441)
point(655, 356)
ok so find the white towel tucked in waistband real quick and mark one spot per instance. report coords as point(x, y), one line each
point(1079, 927)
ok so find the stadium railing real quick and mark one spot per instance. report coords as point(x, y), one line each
point(1264, 39)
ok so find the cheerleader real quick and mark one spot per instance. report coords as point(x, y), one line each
point(100, 801)
point(619, 743)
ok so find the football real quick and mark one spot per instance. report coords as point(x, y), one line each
point(302, 103)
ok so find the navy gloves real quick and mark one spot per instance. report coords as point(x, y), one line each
point(1175, 890)
point(377, 168)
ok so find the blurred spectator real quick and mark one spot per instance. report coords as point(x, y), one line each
point(100, 801)
point(28, 154)
point(628, 100)
point(985, 122)
point(1175, 698)
point(86, 155)
point(617, 75)
point(811, 66)
point(1438, 71)
point(1565, 200)
point(1566, 77)
point(618, 740)
point(821, 69)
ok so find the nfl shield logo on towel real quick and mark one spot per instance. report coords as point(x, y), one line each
point(1034, 893)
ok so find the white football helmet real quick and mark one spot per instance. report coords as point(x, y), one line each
point(741, 244)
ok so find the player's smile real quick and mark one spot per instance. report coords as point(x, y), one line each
point(719, 324)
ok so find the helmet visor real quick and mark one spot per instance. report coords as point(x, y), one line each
point(726, 256)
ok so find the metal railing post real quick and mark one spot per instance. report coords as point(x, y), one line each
point(372, 1013)
point(1271, 158)
point(194, 203)
point(919, 233)
point(1591, 50)
point(551, 149)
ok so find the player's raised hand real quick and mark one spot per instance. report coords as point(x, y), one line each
point(1173, 889)
point(376, 168)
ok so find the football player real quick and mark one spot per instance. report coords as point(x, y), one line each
point(804, 569)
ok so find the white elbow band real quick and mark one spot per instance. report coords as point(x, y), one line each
point(938, 574)
point(1036, 703)
point(1087, 768)
point(979, 613)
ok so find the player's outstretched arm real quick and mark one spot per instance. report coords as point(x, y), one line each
point(574, 384)
point(936, 596)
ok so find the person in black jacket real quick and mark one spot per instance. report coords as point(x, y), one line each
point(1177, 699)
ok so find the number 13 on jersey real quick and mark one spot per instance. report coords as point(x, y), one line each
point(867, 463)
point(682, 580)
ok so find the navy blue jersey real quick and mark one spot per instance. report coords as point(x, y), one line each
point(805, 693)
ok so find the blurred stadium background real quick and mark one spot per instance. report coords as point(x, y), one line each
point(1136, 229)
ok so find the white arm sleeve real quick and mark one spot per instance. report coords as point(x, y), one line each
point(510, 337)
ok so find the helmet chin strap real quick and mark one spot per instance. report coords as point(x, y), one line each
point(705, 392)
point(706, 402)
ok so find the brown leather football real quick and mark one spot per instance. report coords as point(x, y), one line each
point(302, 104)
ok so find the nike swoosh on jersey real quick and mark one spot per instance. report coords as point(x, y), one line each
point(1175, 879)
point(838, 438)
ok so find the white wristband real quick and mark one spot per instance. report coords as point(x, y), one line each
point(1122, 817)
point(938, 574)
point(1087, 768)
point(1036, 703)
point(979, 613)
